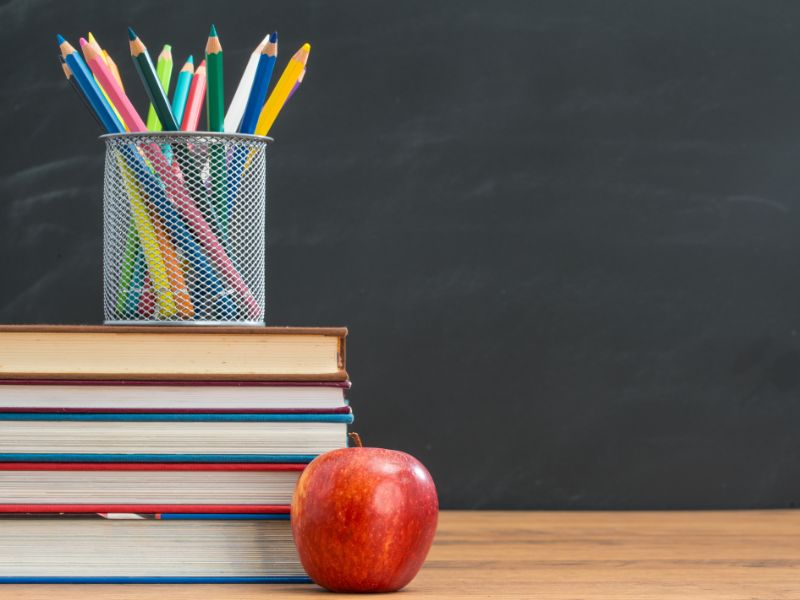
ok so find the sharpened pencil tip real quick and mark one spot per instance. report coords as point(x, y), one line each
point(166, 48)
point(213, 32)
point(190, 60)
point(60, 39)
point(83, 42)
point(273, 37)
point(131, 33)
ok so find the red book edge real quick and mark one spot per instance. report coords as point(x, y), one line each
point(111, 466)
point(146, 508)
point(177, 383)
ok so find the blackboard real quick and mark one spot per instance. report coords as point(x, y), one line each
point(565, 235)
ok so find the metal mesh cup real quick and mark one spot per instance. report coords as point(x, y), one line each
point(184, 228)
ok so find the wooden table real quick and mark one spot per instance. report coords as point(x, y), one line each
point(549, 555)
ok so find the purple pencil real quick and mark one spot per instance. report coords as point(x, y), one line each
point(296, 84)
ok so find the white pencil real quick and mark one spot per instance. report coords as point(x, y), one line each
point(236, 110)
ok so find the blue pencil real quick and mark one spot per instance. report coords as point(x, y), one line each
point(85, 80)
point(258, 93)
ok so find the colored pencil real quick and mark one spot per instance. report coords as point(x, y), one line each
point(283, 88)
point(147, 234)
point(194, 102)
point(176, 188)
point(215, 114)
point(114, 108)
point(147, 73)
point(164, 74)
point(107, 59)
point(215, 89)
point(154, 248)
point(114, 69)
point(233, 118)
point(147, 301)
point(174, 272)
point(93, 40)
point(91, 91)
point(115, 91)
point(127, 269)
point(135, 285)
point(74, 85)
point(258, 93)
point(181, 92)
point(296, 84)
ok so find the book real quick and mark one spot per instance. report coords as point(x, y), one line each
point(147, 487)
point(26, 395)
point(136, 548)
point(172, 353)
point(184, 437)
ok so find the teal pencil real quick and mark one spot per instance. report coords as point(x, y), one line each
point(182, 84)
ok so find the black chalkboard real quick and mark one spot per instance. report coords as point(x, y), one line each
point(565, 235)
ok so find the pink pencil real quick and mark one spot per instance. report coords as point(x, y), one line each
point(147, 301)
point(111, 86)
point(176, 188)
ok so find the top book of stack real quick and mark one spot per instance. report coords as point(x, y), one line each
point(172, 353)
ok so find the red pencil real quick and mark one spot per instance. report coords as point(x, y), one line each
point(194, 103)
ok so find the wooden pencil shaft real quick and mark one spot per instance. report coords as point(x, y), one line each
point(233, 117)
point(258, 93)
point(90, 89)
point(215, 89)
point(74, 85)
point(282, 89)
point(181, 93)
point(194, 102)
point(147, 72)
point(164, 75)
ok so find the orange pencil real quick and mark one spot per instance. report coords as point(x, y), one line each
point(194, 103)
point(177, 283)
point(113, 66)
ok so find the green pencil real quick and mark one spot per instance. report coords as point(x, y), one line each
point(164, 73)
point(215, 91)
point(147, 72)
point(215, 111)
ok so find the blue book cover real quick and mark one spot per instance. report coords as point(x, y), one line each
point(167, 458)
point(183, 417)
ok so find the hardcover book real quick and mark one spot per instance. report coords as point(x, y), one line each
point(184, 437)
point(172, 353)
point(147, 487)
point(49, 395)
point(134, 548)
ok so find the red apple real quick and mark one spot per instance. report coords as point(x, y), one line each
point(363, 519)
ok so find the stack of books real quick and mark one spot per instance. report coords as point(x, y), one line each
point(161, 454)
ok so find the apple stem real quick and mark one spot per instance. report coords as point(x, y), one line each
point(356, 439)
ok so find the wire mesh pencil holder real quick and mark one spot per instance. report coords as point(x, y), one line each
point(184, 228)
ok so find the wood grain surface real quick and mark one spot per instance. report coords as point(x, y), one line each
point(557, 555)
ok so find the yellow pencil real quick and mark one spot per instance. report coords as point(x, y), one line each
point(93, 41)
point(147, 234)
point(282, 90)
